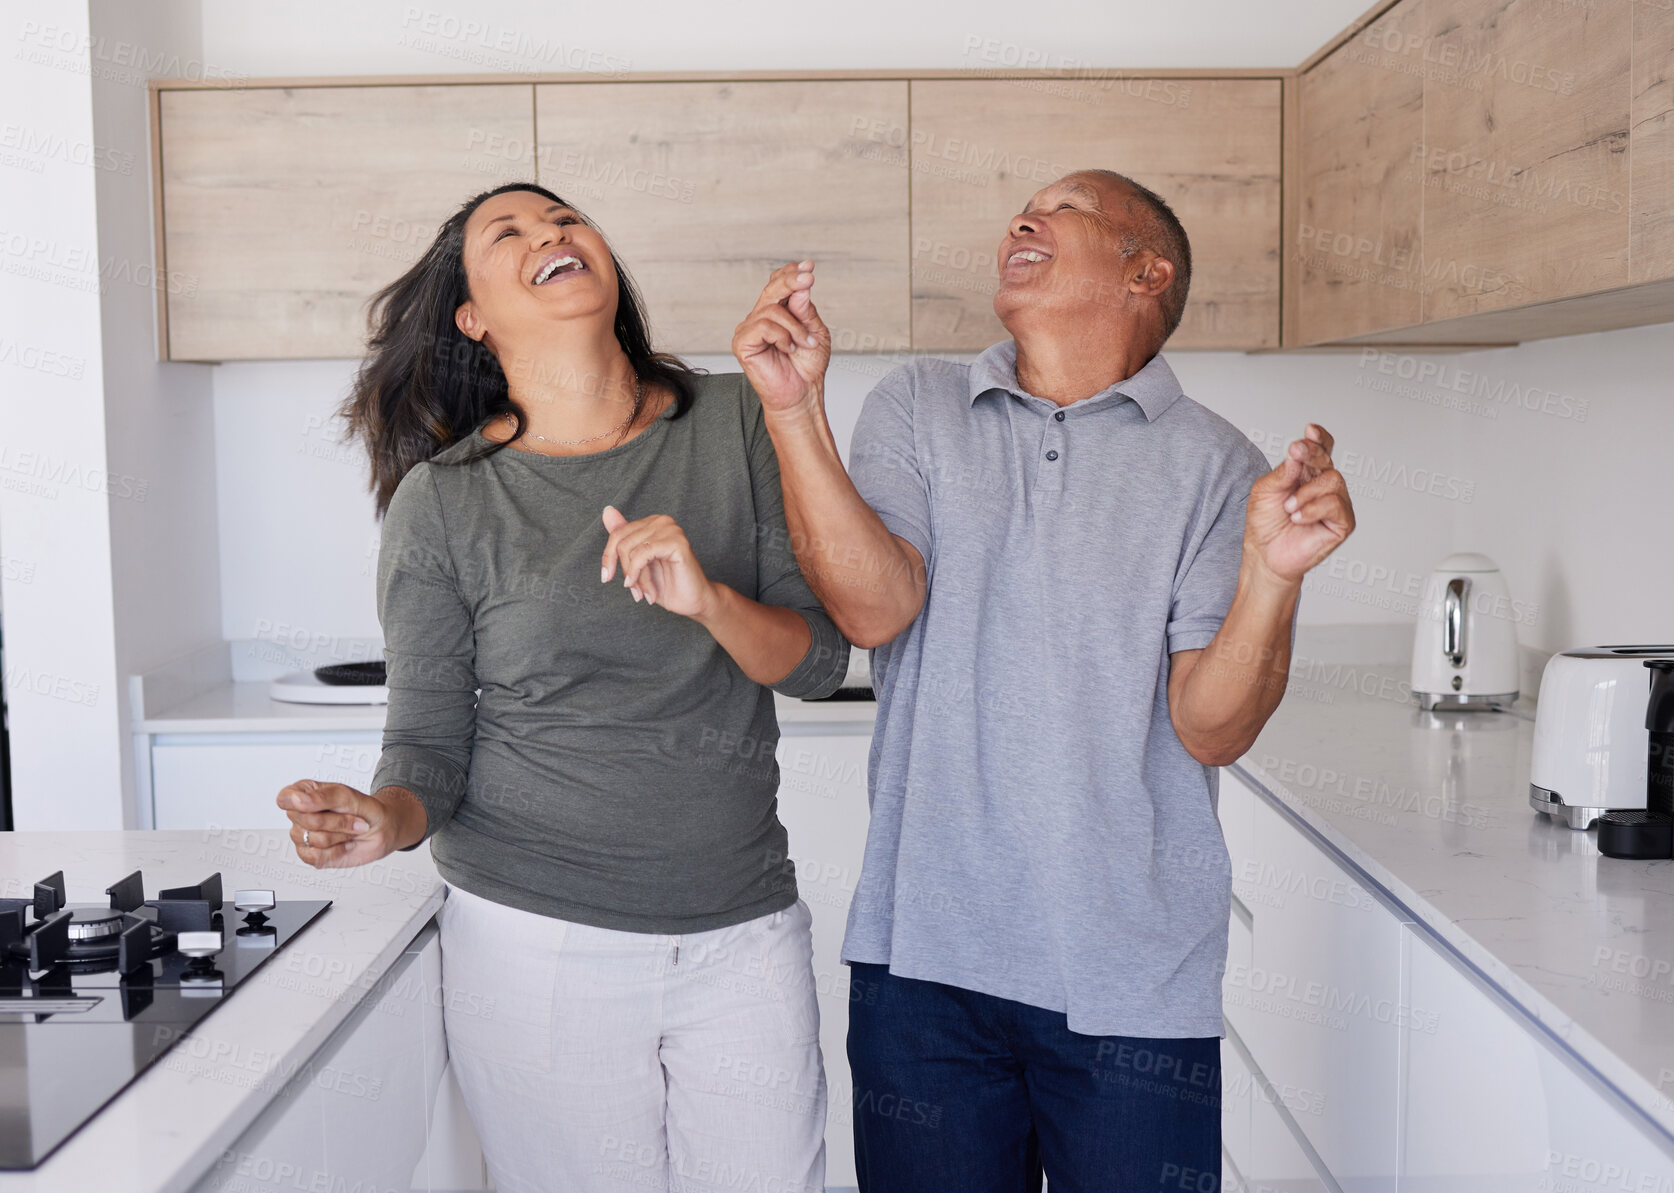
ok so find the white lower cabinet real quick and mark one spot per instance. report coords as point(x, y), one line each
point(1388, 1063)
point(1278, 1162)
point(360, 1113)
point(822, 804)
point(1237, 1086)
point(230, 780)
point(1320, 1003)
point(1490, 1107)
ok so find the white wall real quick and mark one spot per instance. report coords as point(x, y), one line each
point(307, 37)
point(61, 679)
point(157, 415)
point(1578, 511)
point(107, 497)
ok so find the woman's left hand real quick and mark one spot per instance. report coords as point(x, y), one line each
point(658, 565)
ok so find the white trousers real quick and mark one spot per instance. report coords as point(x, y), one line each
point(595, 1061)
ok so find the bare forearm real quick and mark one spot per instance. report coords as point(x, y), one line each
point(409, 815)
point(1240, 678)
point(767, 642)
point(867, 581)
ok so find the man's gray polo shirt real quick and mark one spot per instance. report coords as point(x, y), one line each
point(1038, 831)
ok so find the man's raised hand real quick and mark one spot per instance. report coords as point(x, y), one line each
point(783, 344)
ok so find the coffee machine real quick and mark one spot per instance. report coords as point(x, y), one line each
point(1648, 834)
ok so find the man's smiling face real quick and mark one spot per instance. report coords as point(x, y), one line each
point(1069, 249)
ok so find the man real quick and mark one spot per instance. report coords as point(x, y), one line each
point(1079, 586)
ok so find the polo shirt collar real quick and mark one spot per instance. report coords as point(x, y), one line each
point(1153, 389)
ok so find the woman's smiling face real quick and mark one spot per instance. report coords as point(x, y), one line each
point(529, 261)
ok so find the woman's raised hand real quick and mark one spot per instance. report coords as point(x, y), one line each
point(658, 565)
point(783, 344)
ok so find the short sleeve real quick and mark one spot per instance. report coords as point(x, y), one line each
point(884, 464)
point(429, 654)
point(1210, 580)
point(779, 578)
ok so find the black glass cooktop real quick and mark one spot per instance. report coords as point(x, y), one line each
point(91, 995)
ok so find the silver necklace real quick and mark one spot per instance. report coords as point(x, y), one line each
point(639, 392)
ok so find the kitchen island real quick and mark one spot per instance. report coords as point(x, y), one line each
point(1430, 985)
point(286, 1046)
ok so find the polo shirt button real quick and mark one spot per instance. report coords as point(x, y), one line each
point(1051, 455)
point(1059, 416)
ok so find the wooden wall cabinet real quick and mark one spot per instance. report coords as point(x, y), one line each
point(706, 188)
point(1485, 171)
point(1448, 172)
point(286, 208)
point(1355, 258)
point(1651, 135)
point(1210, 147)
point(1525, 165)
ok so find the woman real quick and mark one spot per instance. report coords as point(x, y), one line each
point(624, 952)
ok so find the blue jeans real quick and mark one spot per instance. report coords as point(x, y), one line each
point(955, 1090)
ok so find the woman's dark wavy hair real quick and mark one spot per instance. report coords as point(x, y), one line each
point(426, 385)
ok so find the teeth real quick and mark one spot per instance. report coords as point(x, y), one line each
point(553, 266)
point(1027, 255)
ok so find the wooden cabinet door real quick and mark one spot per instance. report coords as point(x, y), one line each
point(1210, 147)
point(1361, 124)
point(1525, 163)
point(285, 209)
point(703, 189)
point(1651, 220)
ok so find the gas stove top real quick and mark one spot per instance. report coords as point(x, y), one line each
point(91, 995)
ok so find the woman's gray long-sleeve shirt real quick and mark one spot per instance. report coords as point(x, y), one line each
point(618, 767)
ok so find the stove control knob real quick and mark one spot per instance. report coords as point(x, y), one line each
point(198, 944)
point(253, 901)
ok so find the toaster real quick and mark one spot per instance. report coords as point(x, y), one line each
point(1590, 740)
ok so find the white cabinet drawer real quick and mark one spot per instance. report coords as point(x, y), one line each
point(822, 804)
point(1320, 1004)
point(1492, 1107)
point(1278, 1163)
point(1237, 1095)
point(1235, 806)
point(231, 780)
point(357, 1113)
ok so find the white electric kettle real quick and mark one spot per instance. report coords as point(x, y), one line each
point(1464, 650)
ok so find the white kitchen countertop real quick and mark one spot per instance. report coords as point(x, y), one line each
point(245, 707)
point(167, 1128)
point(1434, 809)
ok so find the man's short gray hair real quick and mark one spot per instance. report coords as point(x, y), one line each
point(1158, 230)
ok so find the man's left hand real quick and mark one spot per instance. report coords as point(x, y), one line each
point(1300, 512)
